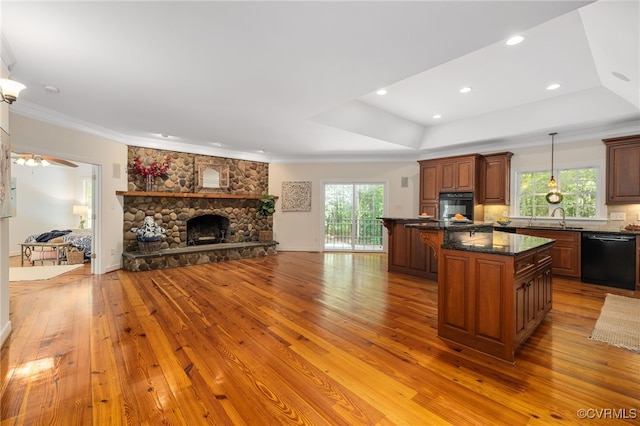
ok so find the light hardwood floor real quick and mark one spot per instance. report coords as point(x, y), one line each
point(297, 338)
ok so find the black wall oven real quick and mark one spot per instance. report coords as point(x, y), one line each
point(456, 202)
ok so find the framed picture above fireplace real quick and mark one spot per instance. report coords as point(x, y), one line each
point(212, 175)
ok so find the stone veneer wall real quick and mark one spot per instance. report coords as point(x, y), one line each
point(245, 178)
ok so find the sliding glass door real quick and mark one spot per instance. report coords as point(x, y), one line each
point(350, 212)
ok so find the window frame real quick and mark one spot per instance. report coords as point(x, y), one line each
point(601, 210)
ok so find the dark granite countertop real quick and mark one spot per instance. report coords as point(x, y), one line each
point(501, 243)
point(513, 228)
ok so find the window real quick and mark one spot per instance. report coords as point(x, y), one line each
point(578, 186)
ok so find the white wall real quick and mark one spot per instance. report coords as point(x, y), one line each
point(30, 135)
point(5, 324)
point(45, 199)
point(303, 231)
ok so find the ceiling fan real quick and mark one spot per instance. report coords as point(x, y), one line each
point(34, 160)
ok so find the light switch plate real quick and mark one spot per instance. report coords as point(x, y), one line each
point(618, 216)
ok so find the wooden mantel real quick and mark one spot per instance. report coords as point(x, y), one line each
point(188, 195)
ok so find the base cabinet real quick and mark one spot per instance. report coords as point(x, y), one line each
point(566, 251)
point(492, 303)
point(407, 253)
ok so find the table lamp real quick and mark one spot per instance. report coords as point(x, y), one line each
point(81, 211)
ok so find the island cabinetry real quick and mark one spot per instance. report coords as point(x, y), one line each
point(458, 174)
point(491, 303)
point(623, 170)
point(532, 286)
point(407, 253)
point(495, 177)
point(565, 252)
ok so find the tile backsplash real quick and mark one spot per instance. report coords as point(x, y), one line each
point(630, 212)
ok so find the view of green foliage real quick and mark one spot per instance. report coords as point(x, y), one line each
point(351, 211)
point(578, 187)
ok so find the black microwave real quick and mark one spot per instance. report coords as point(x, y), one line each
point(452, 203)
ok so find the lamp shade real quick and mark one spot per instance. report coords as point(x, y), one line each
point(11, 89)
point(79, 210)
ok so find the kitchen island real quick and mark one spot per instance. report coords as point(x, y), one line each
point(494, 288)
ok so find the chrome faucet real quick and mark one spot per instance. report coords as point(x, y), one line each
point(564, 221)
point(533, 216)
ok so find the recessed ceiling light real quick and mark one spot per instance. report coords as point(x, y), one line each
point(437, 116)
point(164, 135)
point(218, 144)
point(620, 76)
point(553, 86)
point(51, 89)
point(466, 89)
point(515, 40)
point(381, 92)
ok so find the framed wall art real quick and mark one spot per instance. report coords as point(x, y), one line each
point(296, 196)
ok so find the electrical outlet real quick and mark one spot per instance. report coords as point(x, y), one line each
point(618, 216)
point(505, 213)
point(638, 217)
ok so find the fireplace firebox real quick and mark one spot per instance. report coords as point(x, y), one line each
point(207, 229)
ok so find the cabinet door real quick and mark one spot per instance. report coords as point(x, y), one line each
point(465, 174)
point(428, 182)
point(524, 311)
point(430, 209)
point(448, 176)
point(623, 170)
point(495, 178)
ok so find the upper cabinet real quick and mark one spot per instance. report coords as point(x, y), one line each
point(486, 176)
point(458, 174)
point(429, 192)
point(623, 170)
point(496, 177)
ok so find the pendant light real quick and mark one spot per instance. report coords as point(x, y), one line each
point(553, 185)
point(554, 196)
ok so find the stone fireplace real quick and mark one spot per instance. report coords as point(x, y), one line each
point(199, 229)
point(204, 223)
point(207, 229)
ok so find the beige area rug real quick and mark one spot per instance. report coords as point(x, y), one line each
point(33, 273)
point(619, 323)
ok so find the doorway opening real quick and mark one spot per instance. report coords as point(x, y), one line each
point(351, 212)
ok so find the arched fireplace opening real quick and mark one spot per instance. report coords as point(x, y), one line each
point(207, 229)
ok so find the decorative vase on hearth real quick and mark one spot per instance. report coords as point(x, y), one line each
point(149, 183)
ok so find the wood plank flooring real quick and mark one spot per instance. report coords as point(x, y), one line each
point(297, 338)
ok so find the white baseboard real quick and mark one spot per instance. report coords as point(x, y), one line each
point(6, 330)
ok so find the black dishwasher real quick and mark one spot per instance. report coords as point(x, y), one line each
point(609, 259)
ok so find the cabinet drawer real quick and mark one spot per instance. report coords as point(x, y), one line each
point(525, 264)
point(543, 255)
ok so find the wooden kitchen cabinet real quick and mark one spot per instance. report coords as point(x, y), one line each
point(492, 303)
point(565, 252)
point(429, 187)
point(532, 286)
point(495, 178)
point(458, 174)
point(623, 170)
point(407, 253)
